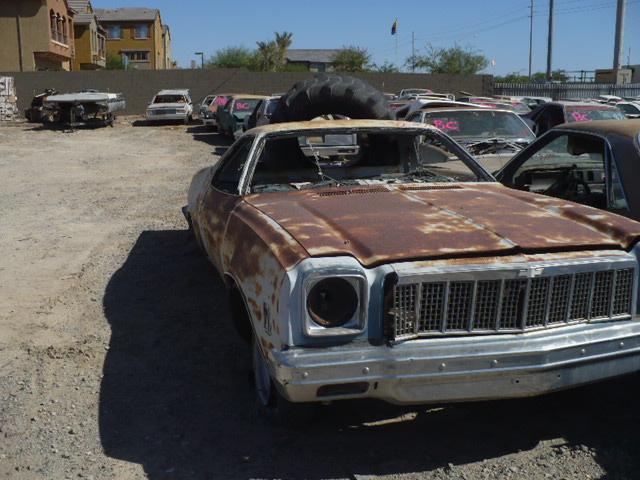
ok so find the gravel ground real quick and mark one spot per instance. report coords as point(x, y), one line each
point(117, 359)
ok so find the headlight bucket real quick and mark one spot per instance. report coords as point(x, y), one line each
point(335, 303)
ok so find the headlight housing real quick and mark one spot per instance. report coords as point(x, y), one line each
point(335, 303)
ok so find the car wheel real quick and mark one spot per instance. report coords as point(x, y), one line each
point(272, 406)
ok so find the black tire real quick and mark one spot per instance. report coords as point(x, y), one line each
point(326, 94)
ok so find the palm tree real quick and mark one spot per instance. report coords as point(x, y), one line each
point(283, 42)
point(267, 56)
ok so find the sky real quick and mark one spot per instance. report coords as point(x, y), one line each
point(584, 29)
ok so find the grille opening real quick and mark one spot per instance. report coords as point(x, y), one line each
point(508, 305)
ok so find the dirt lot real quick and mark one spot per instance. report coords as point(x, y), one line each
point(117, 359)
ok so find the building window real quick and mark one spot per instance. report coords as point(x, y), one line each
point(141, 31)
point(114, 32)
point(65, 35)
point(54, 25)
point(141, 56)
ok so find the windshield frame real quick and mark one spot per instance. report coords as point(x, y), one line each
point(246, 178)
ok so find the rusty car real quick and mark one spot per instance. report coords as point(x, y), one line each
point(552, 114)
point(377, 259)
point(593, 163)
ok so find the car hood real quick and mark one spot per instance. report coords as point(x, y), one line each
point(379, 224)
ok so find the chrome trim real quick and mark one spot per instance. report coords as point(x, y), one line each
point(358, 323)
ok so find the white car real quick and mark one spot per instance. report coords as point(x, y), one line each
point(170, 105)
point(630, 109)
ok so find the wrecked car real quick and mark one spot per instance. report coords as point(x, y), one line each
point(86, 108)
point(592, 163)
point(230, 117)
point(34, 114)
point(377, 259)
point(493, 137)
point(208, 116)
point(551, 114)
point(170, 105)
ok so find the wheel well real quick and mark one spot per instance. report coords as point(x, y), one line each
point(238, 307)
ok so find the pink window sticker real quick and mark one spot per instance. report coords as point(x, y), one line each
point(221, 101)
point(580, 117)
point(242, 106)
point(446, 126)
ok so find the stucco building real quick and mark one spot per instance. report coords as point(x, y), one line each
point(136, 35)
point(36, 35)
point(89, 36)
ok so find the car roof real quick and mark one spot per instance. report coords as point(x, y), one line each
point(177, 91)
point(332, 124)
point(583, 103)
point(473, 108)
point(626, 128)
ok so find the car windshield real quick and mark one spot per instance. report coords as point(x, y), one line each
point(348, 157)
point(170, 99)
point(480, 124)
point(245, 105)
point(585, 113)
point(629, 109)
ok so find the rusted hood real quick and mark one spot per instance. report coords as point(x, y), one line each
point(380, 224)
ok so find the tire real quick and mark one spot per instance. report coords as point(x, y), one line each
point(272, 406)
point(331, 94)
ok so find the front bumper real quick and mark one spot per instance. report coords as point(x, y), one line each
point(163, 117)
point(464, 369)
point(209, 121)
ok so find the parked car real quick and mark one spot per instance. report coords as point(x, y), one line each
point(551, 114)
point(261, 115)
point(204, 104)
point(369, 258)
point(209, 117)
point(34, 114)
point(630, 109)
point(493, 137)
point(231, 117)
point(414, 91)
point(407, 110)
point(170, 105)
point(592, 163)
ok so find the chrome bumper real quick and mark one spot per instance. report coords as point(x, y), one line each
point(209, 121)
point(166, 116)
point(464, 369)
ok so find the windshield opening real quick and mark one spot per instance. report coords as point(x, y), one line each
point(593, 112)
point(245, 105)
point(347, 157)
point(169, 99)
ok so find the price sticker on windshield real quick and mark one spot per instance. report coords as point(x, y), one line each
point(446, 125)
point(580, 117)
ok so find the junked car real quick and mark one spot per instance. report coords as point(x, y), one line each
point(551, 114)
point(170, 105)
point(371, 258)
point(630, 109)
point(204, 104)
point(592, 163)
point(262, 113)
point(209, 117)
point(230, 117)
point(493, 137)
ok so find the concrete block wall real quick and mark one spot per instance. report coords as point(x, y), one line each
point(139, 86)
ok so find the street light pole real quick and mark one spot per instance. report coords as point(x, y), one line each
point(531, 40)
point(201, 59)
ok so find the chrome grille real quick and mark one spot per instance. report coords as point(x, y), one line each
point(441, 303)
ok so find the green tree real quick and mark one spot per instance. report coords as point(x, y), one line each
point(537, 77)
point(386, 67)
point(231, 57)
point(266, 57)
point(352, 59)
point(114, 62)
point(455, 60)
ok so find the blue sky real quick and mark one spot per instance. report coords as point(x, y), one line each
point(499, 28)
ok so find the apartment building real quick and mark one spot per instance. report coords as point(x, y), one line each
point(89, 35)
point(137, 35)
point(36, 35)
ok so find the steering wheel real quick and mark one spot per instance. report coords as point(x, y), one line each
point(567, 183)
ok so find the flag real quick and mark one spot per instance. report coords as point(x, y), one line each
point(394, 27)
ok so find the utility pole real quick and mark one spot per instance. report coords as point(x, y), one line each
point(201, 54)
point(618, 52)
point(531, 40)
point(550, 42)
point(19, 32)
point(413, 52)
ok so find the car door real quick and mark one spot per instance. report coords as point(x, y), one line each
point(221, 198)
point(224, 116)
point(574, 166)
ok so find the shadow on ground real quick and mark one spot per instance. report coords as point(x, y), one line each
point(205, 134)
point(176, 396)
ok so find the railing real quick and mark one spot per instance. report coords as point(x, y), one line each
point(564, 91)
